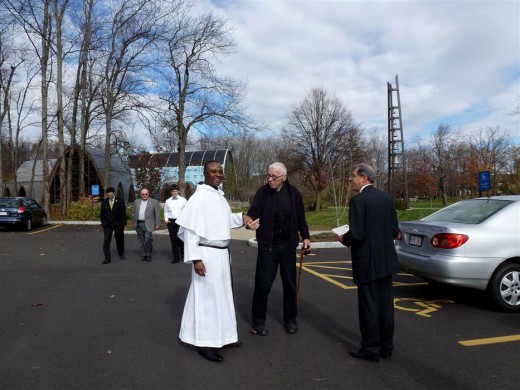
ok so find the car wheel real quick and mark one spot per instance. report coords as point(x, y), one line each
point(27, 225)
point(505, 287)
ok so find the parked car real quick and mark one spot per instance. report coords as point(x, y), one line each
point(21, 211)
point(473, 243)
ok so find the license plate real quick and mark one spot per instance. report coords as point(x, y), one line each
point(3, 213)
point(415, 240)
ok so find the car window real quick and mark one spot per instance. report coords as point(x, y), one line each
point(471, 211)
point(9, 202)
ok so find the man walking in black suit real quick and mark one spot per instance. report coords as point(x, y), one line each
point(373, 227)
point(113, 219)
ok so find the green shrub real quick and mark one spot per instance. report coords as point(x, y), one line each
point(82, 210)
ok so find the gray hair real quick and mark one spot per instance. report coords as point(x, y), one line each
point(366, 170)
point(280, 166)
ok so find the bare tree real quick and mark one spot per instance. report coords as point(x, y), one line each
point(59, 8)
point(441, 157)
point(134, 27)
point(375, 152)
point(34, 17)
point(7, 71)
point(494, 151)
point(196, 95)
point(323, 131)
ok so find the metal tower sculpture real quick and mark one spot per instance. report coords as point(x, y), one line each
point(397, 178)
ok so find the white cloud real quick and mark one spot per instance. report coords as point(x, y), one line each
point(452, 58)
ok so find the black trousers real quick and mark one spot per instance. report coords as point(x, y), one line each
point(376, 314)
point(177, 243)
point(119, 234)
point(266, 269)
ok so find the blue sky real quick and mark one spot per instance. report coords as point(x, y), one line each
point(458, 61)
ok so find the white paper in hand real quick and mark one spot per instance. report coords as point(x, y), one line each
point(340, 230)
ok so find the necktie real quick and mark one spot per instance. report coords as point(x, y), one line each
point(111, 203)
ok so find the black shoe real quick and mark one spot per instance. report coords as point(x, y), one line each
point(238, 344)
point(291, 327)
point(210, 354)
point(385, 353)
point(106, 261)
point(175, 261)
point(122, 257)
point(364, 354)
point(148, 258)
point(259, 330)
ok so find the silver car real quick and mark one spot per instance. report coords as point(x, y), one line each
point(473, 243)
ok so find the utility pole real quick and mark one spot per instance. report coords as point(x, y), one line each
point(397, 177)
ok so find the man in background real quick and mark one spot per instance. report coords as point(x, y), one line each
point(113, 220)
point(172, 210)
point(147, 218)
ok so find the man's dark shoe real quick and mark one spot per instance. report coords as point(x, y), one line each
point(238, 344)
point(148, 258)
point(106, 261)
point(259, 330)
point(364, 354)
point(291, 327)
point(210, 354)
point(175, 261)
point(122, 257)
point(385, 353)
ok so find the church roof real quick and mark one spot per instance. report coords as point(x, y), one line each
point(195, 158)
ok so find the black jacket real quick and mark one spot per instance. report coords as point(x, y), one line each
point(264, 207)
point(373, 227)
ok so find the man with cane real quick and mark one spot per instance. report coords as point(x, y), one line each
point(279, 205)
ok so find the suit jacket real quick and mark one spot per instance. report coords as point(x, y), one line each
point(373, 227)
point(115, 216)
point(152, 214)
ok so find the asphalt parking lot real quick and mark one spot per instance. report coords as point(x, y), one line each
point(68, 322)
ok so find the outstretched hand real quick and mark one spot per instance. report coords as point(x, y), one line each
point(250, 223)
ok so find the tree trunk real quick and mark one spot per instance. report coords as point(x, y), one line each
point(45, 38)
point(318, 201)
point(58, 15)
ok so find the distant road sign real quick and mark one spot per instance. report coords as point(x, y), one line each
point(95, 190)
point(484, 181)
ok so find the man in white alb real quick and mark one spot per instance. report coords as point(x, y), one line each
point(208, 320)
point(172, 209)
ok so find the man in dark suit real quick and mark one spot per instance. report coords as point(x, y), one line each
point(147, 218)
point(113, 219)
point(373, 227)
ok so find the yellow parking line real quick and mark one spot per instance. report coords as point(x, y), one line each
point(328, 279)
point(490, 340)
point(44, 230)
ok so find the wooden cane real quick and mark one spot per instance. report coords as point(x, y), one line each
point(299, 276)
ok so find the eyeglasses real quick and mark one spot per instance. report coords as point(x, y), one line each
point(273, 177)
point(144, 194)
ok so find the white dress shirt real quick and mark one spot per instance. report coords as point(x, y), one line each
point(173, 207)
